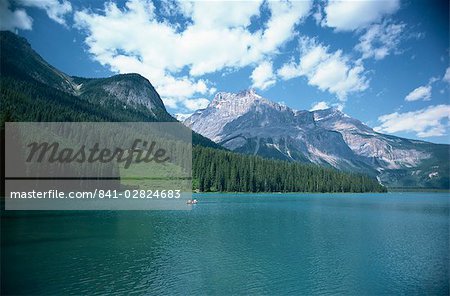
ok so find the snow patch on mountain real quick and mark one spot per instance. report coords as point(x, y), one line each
point(248, 123)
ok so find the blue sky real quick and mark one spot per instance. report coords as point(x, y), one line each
point(383, 62)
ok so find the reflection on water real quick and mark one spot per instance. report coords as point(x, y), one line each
point(229, 244)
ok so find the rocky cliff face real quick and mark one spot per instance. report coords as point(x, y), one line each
point(22, 63)
point(246, 122)
point(130, 90)
point(390, 152)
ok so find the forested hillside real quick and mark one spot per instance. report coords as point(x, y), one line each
point(32, 90)
point(227, 171)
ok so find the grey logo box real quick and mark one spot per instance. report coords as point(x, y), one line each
point(89, 156)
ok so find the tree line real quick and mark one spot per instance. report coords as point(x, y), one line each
point(214, 169)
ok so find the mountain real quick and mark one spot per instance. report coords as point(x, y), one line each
point(248, 123)
point(125, 90)
point(131, 91)
point(19, 60)
point(33, 90)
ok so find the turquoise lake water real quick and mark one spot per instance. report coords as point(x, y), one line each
point(273, 244)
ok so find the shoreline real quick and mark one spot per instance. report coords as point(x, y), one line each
point(316, 193)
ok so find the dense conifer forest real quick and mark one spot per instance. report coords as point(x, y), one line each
point(40, 97)
point(215, 170)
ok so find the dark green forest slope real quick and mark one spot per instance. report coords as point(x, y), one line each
point(227, 171)
point(33, 90)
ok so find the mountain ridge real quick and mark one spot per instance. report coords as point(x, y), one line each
point(29, 82)
point(42, 94)
point(248, 123)
point(33, 90)
point(22, 62)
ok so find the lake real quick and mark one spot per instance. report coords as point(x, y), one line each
point(236, 244)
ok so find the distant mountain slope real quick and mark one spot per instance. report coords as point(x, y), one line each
point(246, 122)
point(123, 91)
point(21, 63)
point(33, 90)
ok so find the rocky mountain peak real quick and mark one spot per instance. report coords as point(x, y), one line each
point(328, 113)
point(243, 95)
point(246, 122)
point(248, 92)
point(237, 103)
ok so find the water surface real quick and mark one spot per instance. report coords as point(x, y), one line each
point(236, 244)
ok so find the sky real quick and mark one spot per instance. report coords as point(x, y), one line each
point(385, 63)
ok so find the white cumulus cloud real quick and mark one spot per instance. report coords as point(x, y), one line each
point(329, 71)
point(344, 15)
point(195, 104)
point(208, 36)
point(420, 93)
point(13, 19)
point(428, 122)
point(288, 71)
point(55, 9)
point(447, 75)
point(319, 106)
point(380, 40)
point(18, 19)
point(263, 76)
